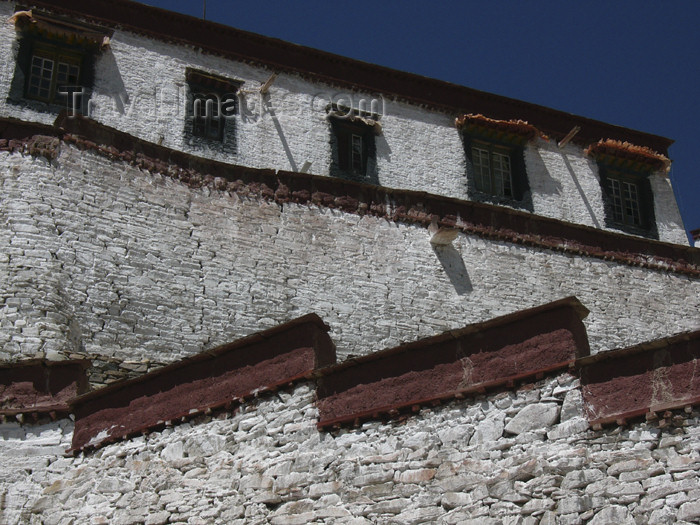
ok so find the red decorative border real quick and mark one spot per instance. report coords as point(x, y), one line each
point(39, 387)
point(484, 220)
point(652, 377)
point(503, 351)
point(216, 379)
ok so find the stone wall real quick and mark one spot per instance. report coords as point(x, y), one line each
point(140, 89)
point(136, 269)
point(515, 457)
point(203, 444)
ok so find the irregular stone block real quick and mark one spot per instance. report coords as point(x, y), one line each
point(533, 417)
point(489, 430)
point(613, 515)
point(453, 500)
point(415, 476)
point(689, 511)
point(568, 428)
point(572, 406)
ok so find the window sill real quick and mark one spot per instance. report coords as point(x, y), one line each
point(525, 204)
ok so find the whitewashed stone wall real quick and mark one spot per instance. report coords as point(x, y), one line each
point(668, 219)
point(140, 87)
point(523, 457)
point(100, 258)
point(564, 184)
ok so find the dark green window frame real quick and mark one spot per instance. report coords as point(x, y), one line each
point(493, 173)
point(628, 201)
point(53, 72)
point(353, 154)
point(496, 172)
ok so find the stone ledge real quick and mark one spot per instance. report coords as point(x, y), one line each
point(516, 347)
point(215, 379)
point(652, 377)
point(405, 206)
point(39, 387)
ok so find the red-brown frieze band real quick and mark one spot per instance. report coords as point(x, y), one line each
point(214, 379)
point(41, 387)
point(406, 206)
point(652, 377)
point(502, 351)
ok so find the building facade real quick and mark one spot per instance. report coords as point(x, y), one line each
point(165, 196)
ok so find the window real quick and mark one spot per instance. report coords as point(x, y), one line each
point(352, 146)
point(212, 104)
point(625, 170)
point(53, 72)
point(628, 201)
point(492, 170)
point(496, 172)
point(55, 59)
point(207, 119)
point(624, 198)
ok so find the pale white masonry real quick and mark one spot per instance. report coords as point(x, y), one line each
point(133, 270)
point(140, 89)
point(100, 258)
point(523, 457)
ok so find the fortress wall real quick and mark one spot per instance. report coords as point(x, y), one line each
point(102, 259)
point(523, 456)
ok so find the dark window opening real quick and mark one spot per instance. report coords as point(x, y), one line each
point(353, 149)
point(53, 73)
point(207, 121)
point(47, 74)
point(212, 105)
point(496, 173)
point(628, 201)
point(55, 61)
point(492, 170)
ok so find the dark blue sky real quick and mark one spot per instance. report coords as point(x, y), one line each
point(634, 64)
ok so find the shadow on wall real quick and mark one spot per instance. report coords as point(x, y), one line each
point(383, 148)
point(271, 110)
point(454, 267)
point(543, 183)
point(112, 84)
point(589, 208)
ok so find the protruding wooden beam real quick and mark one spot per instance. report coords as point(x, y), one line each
point(570, 135)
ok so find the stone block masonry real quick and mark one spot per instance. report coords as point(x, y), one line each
point(148, 252)
point(137, 269)
point(521, 454)
point(140, 88)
